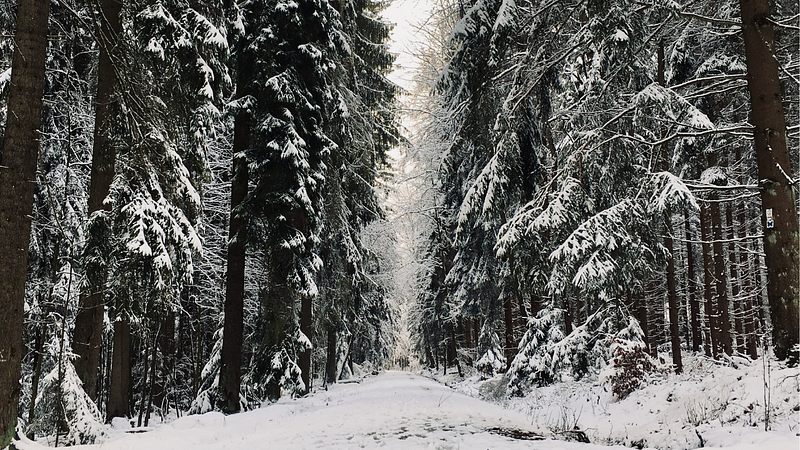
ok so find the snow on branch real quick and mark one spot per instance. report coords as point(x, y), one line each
point(670, 193)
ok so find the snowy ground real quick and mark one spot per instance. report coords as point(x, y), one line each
point(710, 405)
point(394, 410)
point(401, 410)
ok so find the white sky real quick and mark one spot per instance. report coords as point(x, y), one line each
point(406, 15)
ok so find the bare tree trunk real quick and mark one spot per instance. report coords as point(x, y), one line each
point(119, 389)
point(330, 362)
point(467, 333)
point(779, 218)
point(304, 360)
point(710, 341)
point(18, 160)
point(639, 308)
point(694, 303)
point(674, 330)
point(738, 310)
point(88, 334)
point(672, 291)
point(148, 352)
point(721, 281)
point(744, 261)
point(166, 342)
point(509, 325)
point(652, 316)
point(153, 376)
point(233, 331)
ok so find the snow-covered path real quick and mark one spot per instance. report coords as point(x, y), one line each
point(395, 410)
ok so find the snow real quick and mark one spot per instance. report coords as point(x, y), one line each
point(713, 404)
point(395, 410)
point(402, 410)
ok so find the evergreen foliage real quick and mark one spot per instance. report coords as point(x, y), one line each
point(581, 168)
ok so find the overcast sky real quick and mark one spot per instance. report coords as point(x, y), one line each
point(406, 15)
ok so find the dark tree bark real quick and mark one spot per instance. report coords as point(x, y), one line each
point(467, 333)
point(720, 282)
point(674, 330)
point(149, 352)
point(88, 334)
point(733, 271)
point(509, 322)
point(694, 303)
point(18, 160)
point(710, 341)
point(330, 361)
point(232, 337)
point(781, 240)
point(744, 261)
point(672, 291)
point(166, 342)
point(119, 389)
point(304, 359)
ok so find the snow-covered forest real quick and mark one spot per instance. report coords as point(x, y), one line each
point(216, 207)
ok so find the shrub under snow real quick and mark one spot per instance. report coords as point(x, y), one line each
point(73, 415)
point(546, 355)
point(630, 367)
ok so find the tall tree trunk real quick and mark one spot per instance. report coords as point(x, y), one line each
point(18, 160)
point(509, 322)
point(467, 333)
point(523, 312)
point(148, 352)
point(88, 334)
point(568, 317)
point(744, 262)
point(694, 303)
point(304, 359)
point(672, 298)
point(454, 350)
point(153, 376)
point(166, 342)
point(232, 336)
point(735, 281)
point(779, 218)
point(672, 292)
point(721, 281)
point(710, 341)
point(119, 389)
point(330, 361)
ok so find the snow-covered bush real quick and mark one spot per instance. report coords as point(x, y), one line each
point(546, 355)
point(533, 364)
point(794, 356)
point(73, 415)
point(275, 372)
point(206, 399)
point(492, 358)
point(630, 367)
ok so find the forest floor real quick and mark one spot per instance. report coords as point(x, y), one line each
point(394, 410)
point(402, 410)
point(713, 404)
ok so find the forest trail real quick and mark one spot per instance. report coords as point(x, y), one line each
point(394, 410)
